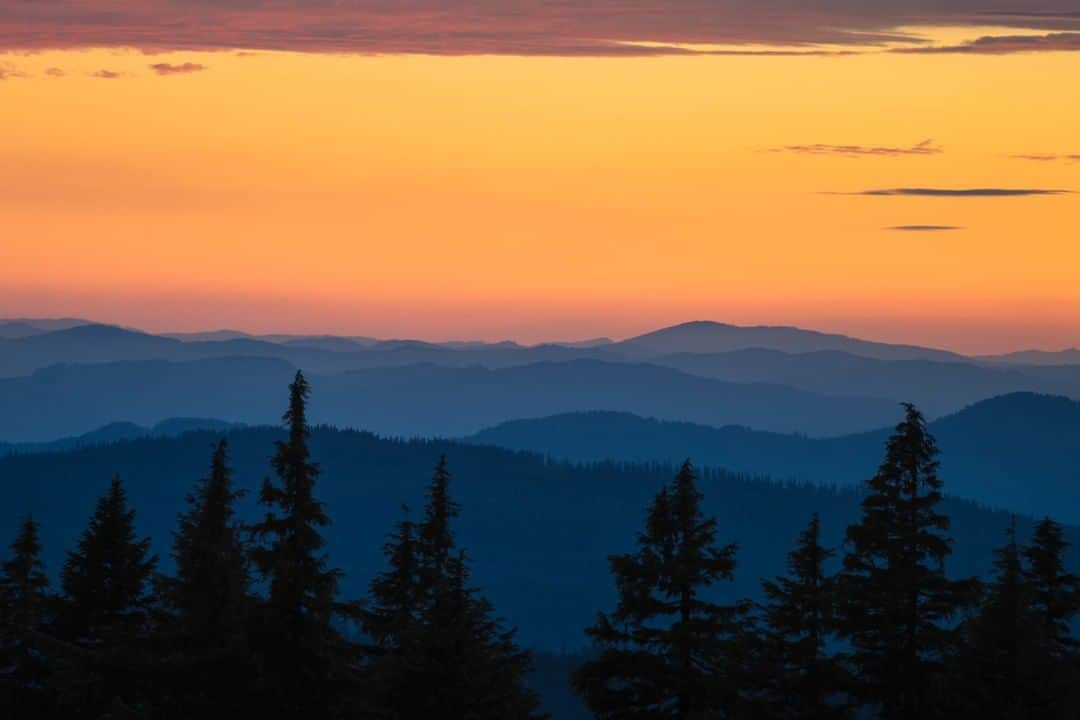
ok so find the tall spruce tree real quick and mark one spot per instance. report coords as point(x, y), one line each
point(24, 601)
point(898, 605)
point(306, 660)
point(105, 614)
point(207, 602)
point(444, 653)
point(802, 680)
point(1055, 603)
point(665, 650)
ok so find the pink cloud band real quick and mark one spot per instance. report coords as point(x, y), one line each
point(519, 27)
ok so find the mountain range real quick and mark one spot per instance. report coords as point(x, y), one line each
point(68, 378)
point(561, 444)
point(412, 400)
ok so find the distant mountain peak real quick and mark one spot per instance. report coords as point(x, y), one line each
point(1029, 405)
point(707, 336)
point(99, 330)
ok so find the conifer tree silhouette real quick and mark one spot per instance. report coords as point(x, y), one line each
point(802, 679)
point(106, 579)
point(206, 603)
point(24, 600)
point(664, 652)
point(445, 653)
point(1055, 592)
point(397, 594)
point(998, 666)
point(1055, 603)
point(23, 583)
point(898, 607)
point(306, 660)
point(106, 609)
point(209, 591)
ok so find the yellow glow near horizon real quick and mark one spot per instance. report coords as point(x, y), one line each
point(541, 197)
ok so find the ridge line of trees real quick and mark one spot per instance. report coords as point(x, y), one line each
point(250, 621)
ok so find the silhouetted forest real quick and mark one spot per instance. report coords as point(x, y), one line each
point(248, 617)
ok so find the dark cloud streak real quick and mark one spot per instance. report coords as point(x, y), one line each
point(960, 192)
point(1040, 157)
point(183, 69)
point(924, 228)
point(926, 147)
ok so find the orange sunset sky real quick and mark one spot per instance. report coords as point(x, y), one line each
point(506, 191)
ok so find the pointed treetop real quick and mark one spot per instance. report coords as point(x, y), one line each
point(1056, 591)
point(27, 543)
point(295, 416)
point(106, 578)
point(436, 535)
point(22, 576)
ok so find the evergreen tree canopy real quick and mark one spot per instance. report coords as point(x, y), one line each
point(103, 659)
point(302, 587)
point(436, 534)
point(105, 580)
point(397, 593)
point(1055, 601)
point(444, 652)
point(23, 611)
point(1055, 592)
point(798, 615)
point(202, 632)
point(897, 601)
point(1003, 647)
point(662, 650)
point(304, 653)
point(209, 591)
point(23, 584)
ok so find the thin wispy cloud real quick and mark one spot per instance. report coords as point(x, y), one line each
point(926, 147)
point(924, 228)
point(960, 192)
point(613, 28)
point(54, 72)
point(1004, 45)
point(107, 74)
point(8, 71)
point(1048, 157)
point(182, 69)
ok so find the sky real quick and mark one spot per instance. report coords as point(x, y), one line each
point(902, 171)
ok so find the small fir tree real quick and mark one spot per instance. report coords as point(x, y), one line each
point(665, 651)
point(106, 579)
point(24, 601)
point(444, 653)
point(802, 680)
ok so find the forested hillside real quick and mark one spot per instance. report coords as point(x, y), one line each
point(540, 530)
